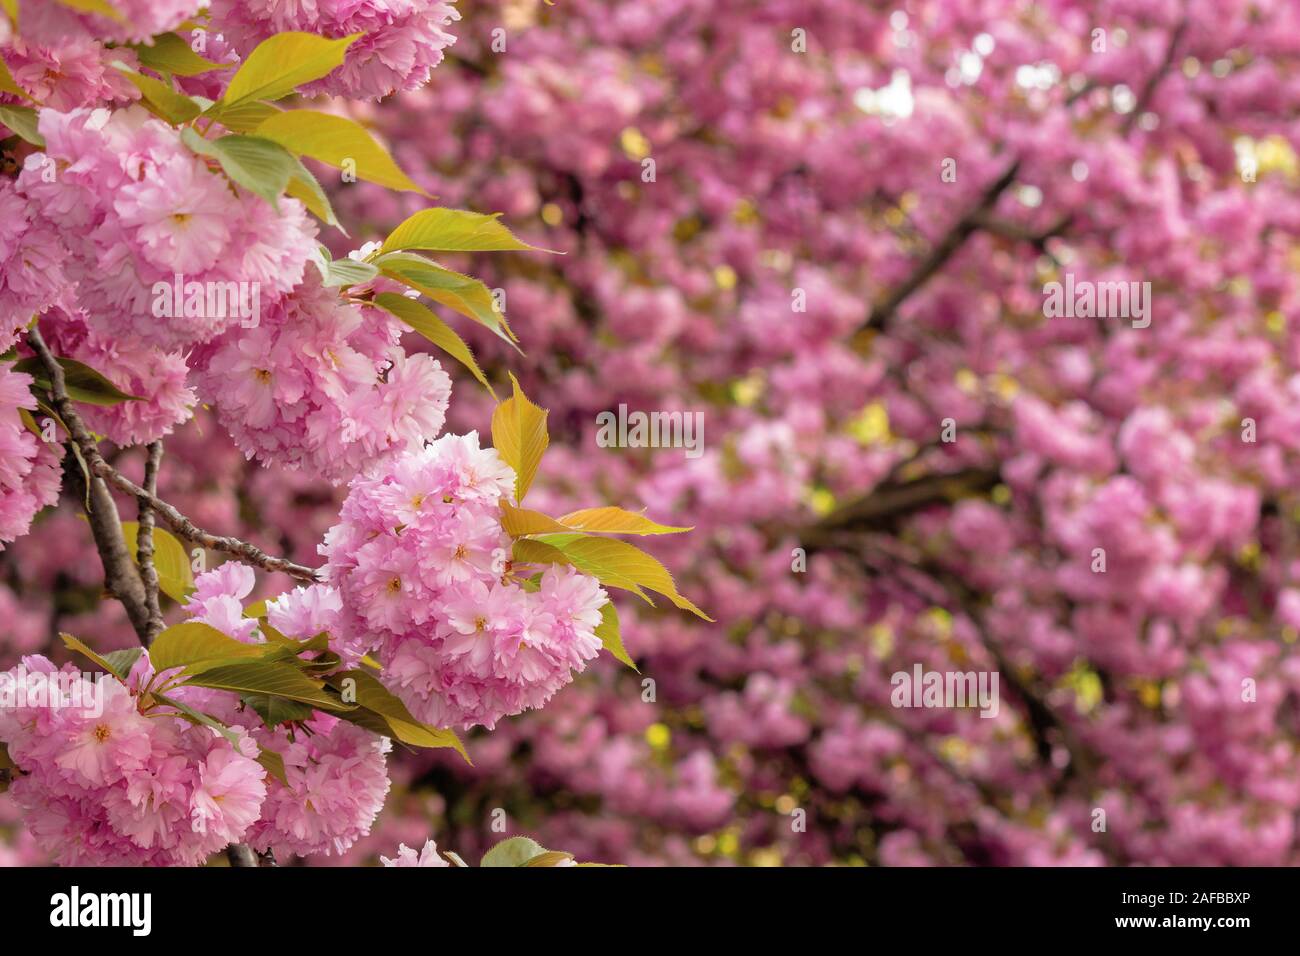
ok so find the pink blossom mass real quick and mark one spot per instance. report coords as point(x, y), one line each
point(967, 533)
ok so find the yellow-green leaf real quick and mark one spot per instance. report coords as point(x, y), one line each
point(611, 637)
point(184, 645)
point(101, 7)
point(267, 677)
point(23, 121)
point(281, 63)
point(515, 851)
point(169, 559)
point(616, 562)
point(536, 551)
point(422, 320)
point(9, 85)
point(467, 295)
point(615, 521)
point(259, 165)
point(243, 117)
point(304, 187)
point(29, 422)
point(374, 696)
point(169, 53)
point(161, 100)
point(521, 521)
point(520, 437)
point(334, 140)
point(454, 230)
point(199, 718)
point(273, 762)
point(83, 383)
point(75, 645)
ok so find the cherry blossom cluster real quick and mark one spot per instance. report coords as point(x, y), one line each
point(322, 384)
point(133, 207)
point(422, 567)
point(400, 40)
point(137, 20)
point(814, 180)
point(103, 784)
point(335, 773)
point(29, 467)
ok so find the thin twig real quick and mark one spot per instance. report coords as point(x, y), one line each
point(944, 250)
point(241, 854)
point(1154, 80)
point(103, 474)
point(121, 578)
point(183, 526)
point(144, 542)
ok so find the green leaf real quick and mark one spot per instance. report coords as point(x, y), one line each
point(175, 576)
point(121, 662)
point(198, 717)
point(520, 437)
point(277, 710)
point(422, 320)
point(22, 120)
point(305, 188)
point(170, 53)
point(274, 764)
point(9, 85)
point(267, 677)
point(244, 117)
point(467, 295)
point(617, 564)
point(518, 522)
point(101, 7)
point(334, 140)
point(29, 422)
point(83, 383)
point(184, 645)
point(454, 230)
point(281, 63)
point(610, 636)
point(373, 696)
point(616, 521)
point(516, 851)
point(345, 272)
point(73, 644)
point(161, 99)
point(259, 165)
point(550, 858)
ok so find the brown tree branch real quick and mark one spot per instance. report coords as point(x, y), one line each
point(185, 528)
point(144, 542)
point(889, 503)
point(1154, 80)
point(113, 548)
point(944, 250)
point(121, 578)
point(137, 588)
point(241, 854)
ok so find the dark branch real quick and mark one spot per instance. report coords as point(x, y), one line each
point(121, 578)
point(144, 542)
point(946, 248)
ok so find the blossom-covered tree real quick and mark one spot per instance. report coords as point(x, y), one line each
point(162, 250)
point(837, 230)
